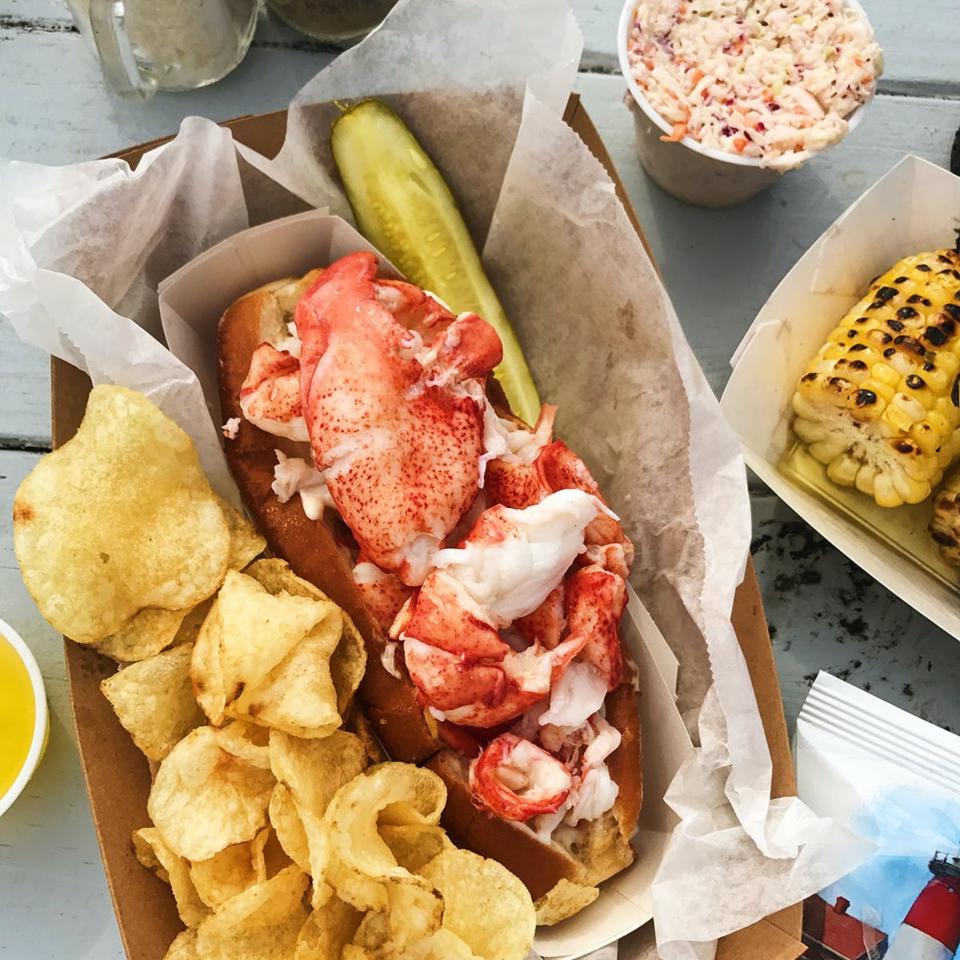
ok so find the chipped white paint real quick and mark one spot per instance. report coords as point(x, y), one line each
point(719, 266)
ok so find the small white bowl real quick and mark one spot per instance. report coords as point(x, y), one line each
point(40, 721)
point(687, 169)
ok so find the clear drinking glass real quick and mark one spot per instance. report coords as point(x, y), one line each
point(340, 22)
point(150, 45)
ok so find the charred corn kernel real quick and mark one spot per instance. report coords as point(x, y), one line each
point(880, 402)
point(945, 521)
point(884, 390)
point(926, 438)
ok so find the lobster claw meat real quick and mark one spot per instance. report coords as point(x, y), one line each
point(517, 780)
point(397, 437)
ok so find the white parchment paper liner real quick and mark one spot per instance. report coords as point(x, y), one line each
point(83, 247)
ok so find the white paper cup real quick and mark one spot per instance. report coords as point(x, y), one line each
point(687, 169)
point(38, 741)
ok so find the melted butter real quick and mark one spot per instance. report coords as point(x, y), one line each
point(17, 714)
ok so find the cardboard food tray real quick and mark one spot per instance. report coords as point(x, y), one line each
point(117, 775)
point(910, 209)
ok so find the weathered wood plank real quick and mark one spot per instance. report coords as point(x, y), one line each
point(24, 391)
point(55, 108)
point(55, 901)
point(919, 39)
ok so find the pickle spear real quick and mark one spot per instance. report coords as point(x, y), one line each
point(404, 207)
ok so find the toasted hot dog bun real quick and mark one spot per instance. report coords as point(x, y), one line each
point(601, 848)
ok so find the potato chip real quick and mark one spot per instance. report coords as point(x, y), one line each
point(349, 660)
point(204, 798)
point(413, 914)
point(273, 857)
point(356, 861)
point(353, 952)
point(206, 676)
point(225, 874)
point(327, 931)
point(245, 543)
point(153, 853)
point(288, 826)
point(442, 945)
point(563, 900)
point(118, 519)
point(262, 923)
point(313, 771)
point(358, 724)
point(266, 659)
point(153, 629)
point(184, 947)
point(485, 905)
point(247, 742)
point(192, 622)
point(145, 635)
point(154, 702)
point(414, 845)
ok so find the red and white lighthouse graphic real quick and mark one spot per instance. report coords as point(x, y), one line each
point(931, 928)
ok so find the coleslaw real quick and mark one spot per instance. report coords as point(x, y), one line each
point(770, 79)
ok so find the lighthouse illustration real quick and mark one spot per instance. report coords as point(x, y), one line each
point(931, 928)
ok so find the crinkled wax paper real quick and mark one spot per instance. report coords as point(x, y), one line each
point(482, 84)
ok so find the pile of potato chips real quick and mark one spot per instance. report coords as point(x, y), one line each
point(278, 839)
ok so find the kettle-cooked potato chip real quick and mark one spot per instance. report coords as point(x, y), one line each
point(484, 904)
point(245, 543)
point(229, 872)
point(266, 659)
point(144, 635)
point(154, 702)
point(262, 923)
point(357, 862)
point(414, 845)
point(153, 629)
point(312, 771)
point(204, 798)
point(184, 947)
point(563, 900)
point(349, 660)
point(412, 915)
point(155, 855)
point(327, 931)
point(118, 519)
point(288, 826)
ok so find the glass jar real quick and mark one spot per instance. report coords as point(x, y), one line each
point(340, 22)
point(150, 45)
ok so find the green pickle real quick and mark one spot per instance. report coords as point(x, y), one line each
point(404, 207)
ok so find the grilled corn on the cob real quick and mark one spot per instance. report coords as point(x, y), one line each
point(880, 402)
point(945, 523)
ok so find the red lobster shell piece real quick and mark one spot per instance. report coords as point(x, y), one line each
point(396, 434)
point(517, 780)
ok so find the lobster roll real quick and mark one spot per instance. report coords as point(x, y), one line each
point(474, 552)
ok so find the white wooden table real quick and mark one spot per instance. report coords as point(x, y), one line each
point(718, 265)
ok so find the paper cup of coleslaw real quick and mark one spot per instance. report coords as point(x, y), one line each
point(724, 149)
